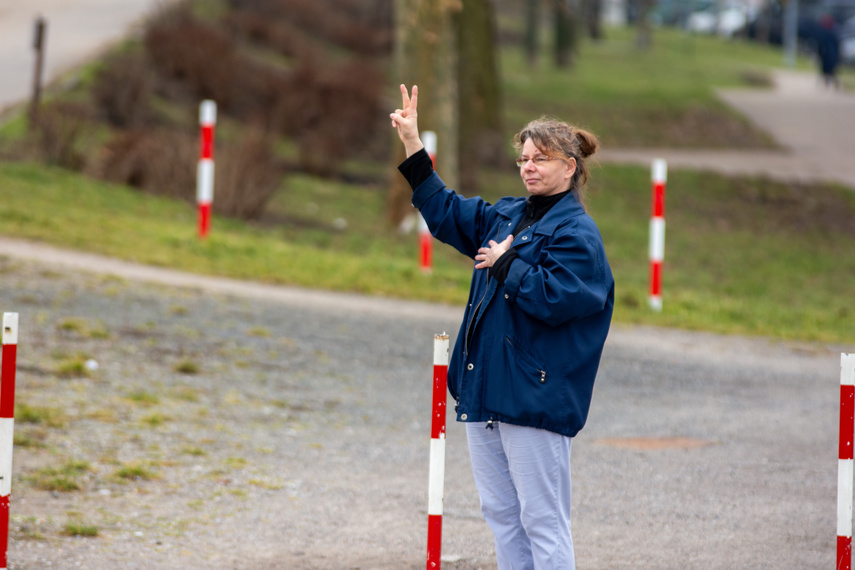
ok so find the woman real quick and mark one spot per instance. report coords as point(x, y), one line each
point(524, 362)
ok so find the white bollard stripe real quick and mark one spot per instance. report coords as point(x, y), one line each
point(7, 431)
point(657, 239)
point(429, 140)
point(440, 350)
point(10, 328)
point(436, 485)
point(207, 113)
point(659, 171)
point(847, 369)
point(205, 181)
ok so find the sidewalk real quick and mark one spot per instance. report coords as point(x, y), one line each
point(815, 126)
point(76, 31)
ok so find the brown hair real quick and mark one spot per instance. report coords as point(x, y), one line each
point(559, 140)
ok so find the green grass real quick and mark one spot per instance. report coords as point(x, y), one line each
point(77, 527)
point(63, 479)
point(662, 97)
point(747, 256)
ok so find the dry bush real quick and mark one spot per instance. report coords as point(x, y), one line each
point(246, 177)
point(278, 35)
point(334, 113)
point(195, 53)
point(164, 162)
point(363, 27)
point(156, 161)
point(122, 90)
point(60, 129)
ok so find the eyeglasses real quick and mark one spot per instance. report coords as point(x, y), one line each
point(539, 160)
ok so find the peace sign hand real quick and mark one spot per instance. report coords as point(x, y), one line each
point(406, 121)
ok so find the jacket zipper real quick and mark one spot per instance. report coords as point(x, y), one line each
point(472, 324)
point(470, 327)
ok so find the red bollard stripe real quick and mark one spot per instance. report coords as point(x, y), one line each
point(4, 531)
point(440, 385)
point(204, 219)
point(426, 242)
point(658, 200)
point(656, 278)
point(7, 381)
point(847, 420)
point(207, 142)
point(844, 553)
point(434, 548)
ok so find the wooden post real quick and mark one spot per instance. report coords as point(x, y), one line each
point(38, 45)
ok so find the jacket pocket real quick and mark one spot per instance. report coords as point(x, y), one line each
point(520, 388)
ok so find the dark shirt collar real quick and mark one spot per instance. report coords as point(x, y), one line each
point(537, 206)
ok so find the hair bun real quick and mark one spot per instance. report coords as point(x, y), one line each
point(588, 143)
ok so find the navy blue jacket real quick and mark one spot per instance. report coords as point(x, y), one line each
point(528, 351)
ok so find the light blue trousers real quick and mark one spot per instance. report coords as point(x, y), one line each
point(523, 478)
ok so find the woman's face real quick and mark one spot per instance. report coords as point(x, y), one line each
point(550, 177)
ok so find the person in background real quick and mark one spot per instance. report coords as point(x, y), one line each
point(828, 51)
point(525, 359)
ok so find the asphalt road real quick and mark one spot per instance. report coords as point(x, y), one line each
point(701, 451)
point(76, 31)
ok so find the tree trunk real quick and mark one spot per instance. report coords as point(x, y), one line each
point(566, 37)
point(479, 93)
point(593, 13)
point(532, 30)
point(644, 31)
point(425, 55)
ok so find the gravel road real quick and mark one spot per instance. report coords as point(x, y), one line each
point(301, 441)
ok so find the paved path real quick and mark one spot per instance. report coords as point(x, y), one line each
point(701, 450)
point(757, 491)
point(815, 127)
point(77, 30)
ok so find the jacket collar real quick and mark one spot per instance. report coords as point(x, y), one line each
point(568, 207)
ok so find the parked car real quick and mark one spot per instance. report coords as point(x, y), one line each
point(847, 41)
point(725, 19)
point(768, 25)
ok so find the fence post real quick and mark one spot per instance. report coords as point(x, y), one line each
point(7, 425)
point(436, 481)
point(845, 472)
point(205, 170)
point(425, 239)
point(659, 175)
point(38, 46)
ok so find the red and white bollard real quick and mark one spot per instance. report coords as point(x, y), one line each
point(845, 472)
point(659, 175)
point(425, 239)
point(7, 425)
point(436, 482)
point(205, 170)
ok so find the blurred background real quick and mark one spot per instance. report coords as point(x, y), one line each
point(101, 155)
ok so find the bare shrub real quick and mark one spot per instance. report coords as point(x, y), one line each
point(356, 26)
point(122, 90)
point(333, 112)
point(60, 129)
point(156, 161)
point(246, 177)
point(192, 52)
point(164, 162)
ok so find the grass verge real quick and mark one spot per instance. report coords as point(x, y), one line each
point(748, 256)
